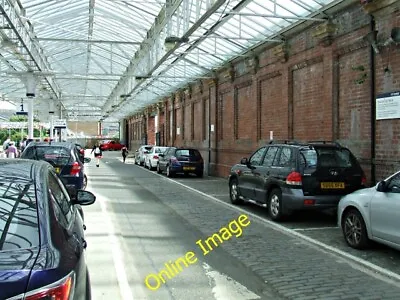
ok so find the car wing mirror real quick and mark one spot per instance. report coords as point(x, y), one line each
point(161, 154)
point(381, 186)
point(84, 197)
point(244, 161)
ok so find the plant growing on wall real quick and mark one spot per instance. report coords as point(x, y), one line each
point(362, 74)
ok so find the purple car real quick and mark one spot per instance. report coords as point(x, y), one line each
point(42, 240)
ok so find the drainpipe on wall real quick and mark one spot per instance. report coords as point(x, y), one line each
point(373, 105)
point(209, 134)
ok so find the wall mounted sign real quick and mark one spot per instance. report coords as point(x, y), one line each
point(388, 106)
point(60, 123)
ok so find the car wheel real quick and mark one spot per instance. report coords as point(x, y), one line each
point(354, 229)
point(169, 172)
point(275, 205)
point(234, 194)
point(159, 171)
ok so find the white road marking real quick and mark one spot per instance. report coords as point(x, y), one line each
point(276, 226)
point(225, 287)
point(315, 228)
point(219, 195)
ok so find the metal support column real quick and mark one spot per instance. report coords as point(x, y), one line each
point(30, 118)
point(30, 83)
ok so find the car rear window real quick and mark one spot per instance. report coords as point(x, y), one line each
point(187, 152)
point(56, 155)
point(327, 157)
point(19, 227)
point(160, 150)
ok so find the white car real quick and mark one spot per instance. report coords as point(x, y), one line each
point(372, 214)
point(140, 154)
point(151, 158)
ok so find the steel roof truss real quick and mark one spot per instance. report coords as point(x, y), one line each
point(23, 31)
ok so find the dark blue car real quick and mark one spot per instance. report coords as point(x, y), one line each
point(180, 160)
point(66, 159)
point(41, 234)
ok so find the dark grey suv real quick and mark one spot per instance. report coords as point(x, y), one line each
point(290, 176)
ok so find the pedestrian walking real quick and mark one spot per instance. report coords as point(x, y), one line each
point(6, 143)
point(98, 154)
point(124, 152)
point(12, 151)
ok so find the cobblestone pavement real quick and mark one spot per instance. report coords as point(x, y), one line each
point(293, 267)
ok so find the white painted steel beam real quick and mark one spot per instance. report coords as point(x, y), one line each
point(23, 32)
point(68, 40)
point(269, 16)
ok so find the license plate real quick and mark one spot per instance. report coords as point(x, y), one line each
point(332, 185)
point(189, 168)
point(57, 170)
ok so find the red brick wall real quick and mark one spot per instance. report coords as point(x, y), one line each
point(188, 120)
point(273, 108)
point(151, 131)
point(319, 92)
point(311, 110)
point(198, 120)
point(246, 112)
point(354, 105)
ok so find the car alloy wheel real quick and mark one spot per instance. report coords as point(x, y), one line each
point(275, 204)
point(234, 192)
point(169, 173)
point(354, 229)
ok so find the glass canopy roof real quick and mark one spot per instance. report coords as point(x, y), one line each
point(107, 59)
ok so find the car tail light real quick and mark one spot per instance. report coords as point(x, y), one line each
point(155, 157)
point(76, 168)
point(363, 180)
point(82, 151)
point(309, 202)
point(61, 290)
point(294, 178)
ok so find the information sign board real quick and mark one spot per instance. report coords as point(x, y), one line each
point(388, 106)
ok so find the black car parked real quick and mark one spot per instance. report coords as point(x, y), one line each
point(66, 158)
point(289, 176)
point(42, 244)
point(180, 160)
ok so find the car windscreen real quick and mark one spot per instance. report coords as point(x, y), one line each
point(55, 155)
point(187, 152)
point(19, 227)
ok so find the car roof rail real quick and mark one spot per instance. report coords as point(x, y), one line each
point(288, 142)
point(326, 143)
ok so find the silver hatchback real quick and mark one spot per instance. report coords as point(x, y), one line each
point(372, 214)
